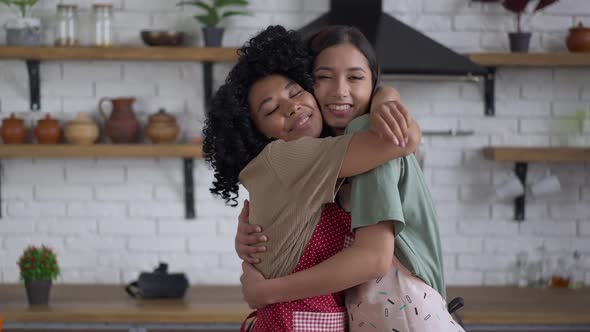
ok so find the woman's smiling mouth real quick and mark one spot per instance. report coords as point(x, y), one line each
point(301, 122)
point(339, 109)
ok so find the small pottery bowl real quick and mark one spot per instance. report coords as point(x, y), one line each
point(162, 37)
point(578, 39)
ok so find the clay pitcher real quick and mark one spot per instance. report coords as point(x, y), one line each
point(122, 125)
point(13, 130)
point(47, 130)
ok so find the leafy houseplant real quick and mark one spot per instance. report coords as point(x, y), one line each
point(23, 30)
point(215, 12)
point(519, 40)
point(38, 268)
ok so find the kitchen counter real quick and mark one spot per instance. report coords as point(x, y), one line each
point(223, 304)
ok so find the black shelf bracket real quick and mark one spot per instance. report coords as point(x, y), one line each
point(490, 91)
point(207, 83)
point(189, 188)
point(520, 169)
point(1, 176)
point(34, 84)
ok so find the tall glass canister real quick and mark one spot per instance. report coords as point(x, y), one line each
point(67, 27)
point(102, 15)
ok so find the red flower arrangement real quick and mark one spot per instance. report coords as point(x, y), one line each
point(38, 264)
point(518, 7)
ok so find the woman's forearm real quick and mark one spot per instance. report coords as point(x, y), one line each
point(367, 151)
point(369, 257)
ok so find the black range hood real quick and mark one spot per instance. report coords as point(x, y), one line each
point(400, 48)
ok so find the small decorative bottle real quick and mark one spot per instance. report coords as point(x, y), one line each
point(102, 15)
point(577, 272)
point(67, 33)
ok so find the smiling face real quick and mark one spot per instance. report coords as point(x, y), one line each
point(282, 109)
point(343, 85)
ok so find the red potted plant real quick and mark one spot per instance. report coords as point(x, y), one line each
point(38, 268)
point(519, 40)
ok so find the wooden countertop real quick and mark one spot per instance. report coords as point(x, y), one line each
point(222, 304)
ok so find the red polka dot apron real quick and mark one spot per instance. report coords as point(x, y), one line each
point(326, 313)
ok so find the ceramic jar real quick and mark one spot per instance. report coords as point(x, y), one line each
point(578, 39)
point(13, 130)
point(122, 125)
point(81, 130)
point(47, 130)
point(162, 128)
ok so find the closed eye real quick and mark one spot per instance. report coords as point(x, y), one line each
point(357, 78)
point(272, 111)
point(298, 93)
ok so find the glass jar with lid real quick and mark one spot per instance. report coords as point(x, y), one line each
point(102, 16)
point(67, 27)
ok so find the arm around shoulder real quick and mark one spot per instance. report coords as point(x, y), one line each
point(367, 151)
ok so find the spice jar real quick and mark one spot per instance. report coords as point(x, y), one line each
point(66, 33)
point(102, 15)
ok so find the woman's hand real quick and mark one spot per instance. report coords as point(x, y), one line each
point(252, 286)
point(248, 238)
point(390, 120)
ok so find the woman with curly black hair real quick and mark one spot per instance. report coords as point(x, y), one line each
point(263, 131)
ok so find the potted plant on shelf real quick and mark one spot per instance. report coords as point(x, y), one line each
point(23, 30)
point(520, 40)
point(38, 268)
point(215, 12)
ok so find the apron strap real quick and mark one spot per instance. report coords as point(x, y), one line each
point(249, 328)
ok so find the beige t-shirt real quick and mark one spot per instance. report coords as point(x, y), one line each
point(288, 183)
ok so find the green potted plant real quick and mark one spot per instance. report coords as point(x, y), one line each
point(23, 30)
point(38, 268)
point(520, 40)
point(215, 11)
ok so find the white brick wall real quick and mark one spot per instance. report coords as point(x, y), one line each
point(109, 219)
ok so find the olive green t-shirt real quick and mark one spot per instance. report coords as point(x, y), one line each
point(398, 191)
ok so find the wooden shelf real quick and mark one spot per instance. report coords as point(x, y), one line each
point(211, 54)
point(525, 154)
point(531, 59)
point(101, 151)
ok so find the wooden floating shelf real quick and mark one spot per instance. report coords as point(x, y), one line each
point(215, 54)
point(212, 54)
point(525, 154)
point(530, 59)
point(101, 151)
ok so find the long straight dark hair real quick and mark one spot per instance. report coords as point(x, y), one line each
point(334, 35)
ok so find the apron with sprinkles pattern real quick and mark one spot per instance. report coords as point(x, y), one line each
point(325, 313)
point(398, 301)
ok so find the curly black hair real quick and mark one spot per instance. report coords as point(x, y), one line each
point(232, 139)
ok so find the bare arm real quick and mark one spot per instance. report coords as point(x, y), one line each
point(369, 257)
point(367, 150)
point(387, 119)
